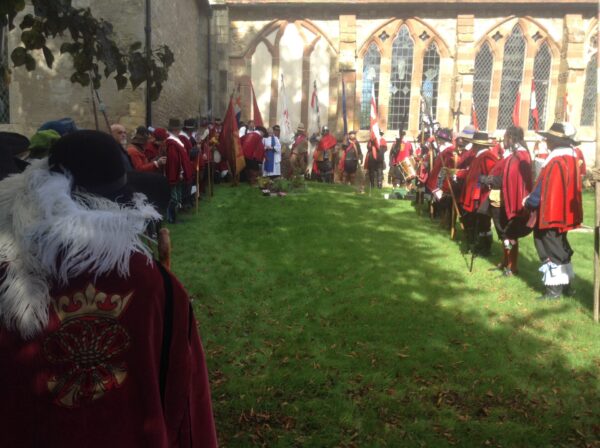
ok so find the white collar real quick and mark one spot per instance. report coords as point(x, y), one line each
point(559, 152)
point(174, 137)
point(481, 151)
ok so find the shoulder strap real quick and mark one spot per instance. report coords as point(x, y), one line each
point(165, 350)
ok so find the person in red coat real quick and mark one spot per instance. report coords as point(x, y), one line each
point(400, 152)
point(254, 153)
point(478, 225)
point(557, 201)
point(178, 169)
point(323, 155)
point(439, 180)
point(98, 342)
point(509, 181)
point(350, 159)
point(137, 155)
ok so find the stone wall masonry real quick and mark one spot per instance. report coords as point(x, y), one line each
point(45, 94)
point(182, 25)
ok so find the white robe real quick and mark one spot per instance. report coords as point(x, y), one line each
point(267, 142)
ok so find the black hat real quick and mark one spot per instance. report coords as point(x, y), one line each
point(95, 161)
point(481, 139)
point(174, 123)
point(444, 134)
point(190, 123)
point(13, 143)
point(263, 130)
point(562, 133)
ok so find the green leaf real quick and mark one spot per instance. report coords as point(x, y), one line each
point(33, 39)
point(135, 46)
point(27, 22)
point(155, 92)
point(48, 56)
point(68, 47)
point(18, 56)
point(29, 63)
point(82, 62)
point(121, 82)
point(81, 78)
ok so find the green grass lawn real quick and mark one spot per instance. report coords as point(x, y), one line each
point(333, 319)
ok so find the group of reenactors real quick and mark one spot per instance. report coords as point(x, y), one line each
point(469, 180)
point(474, 181)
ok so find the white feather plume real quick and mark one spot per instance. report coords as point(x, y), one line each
point(48, 235)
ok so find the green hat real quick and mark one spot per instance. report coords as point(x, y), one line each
point(41, 142)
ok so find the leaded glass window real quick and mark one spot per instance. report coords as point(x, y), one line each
point(482, 83)
point(4, 105)
point(430, 80)
point(541, 78)
point(400, 80)
point(371, 64)
point(588, 107)
point(512, 76)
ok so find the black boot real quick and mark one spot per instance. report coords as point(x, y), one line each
point(553, 292)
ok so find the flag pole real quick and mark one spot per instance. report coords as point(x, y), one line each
point(597, 217)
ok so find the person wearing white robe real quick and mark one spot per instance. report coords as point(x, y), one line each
point(272, 162)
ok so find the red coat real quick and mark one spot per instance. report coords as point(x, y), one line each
point(140, 161)
point(178, 167)
point(151, 151)
point(561, 205)
point(472, 193)
point(253, 147)
point(516, 182)
point(464, 162)
point(406, 150)
point(91, 378)
point(444, 158)
point(326, 143)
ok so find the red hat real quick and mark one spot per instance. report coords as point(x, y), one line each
point(160, 134)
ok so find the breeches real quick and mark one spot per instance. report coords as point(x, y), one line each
point(552, 245)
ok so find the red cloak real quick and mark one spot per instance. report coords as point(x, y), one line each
point(444, 159)
point(92, 378)
point(561, 205)
point(406, 150)
point(516, 182)
point(252, 146)
point(178, 162)
point(472, 193)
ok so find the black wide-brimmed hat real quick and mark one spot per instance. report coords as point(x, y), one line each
point(562, 133)
point(95, 161)
point(444, 134)
point(263, 130)
point(190, 123)
point(174, 123)
point(481, 139)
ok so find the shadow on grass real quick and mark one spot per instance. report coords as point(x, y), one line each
point(331, 319)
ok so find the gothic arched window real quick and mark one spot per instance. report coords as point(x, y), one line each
point(541, 78)
point(371, 64)
point(512, 76)
point(430, 80)
point(588, 106)
point(482, 83)
point(400, 80)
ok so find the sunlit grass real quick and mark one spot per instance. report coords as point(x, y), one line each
point(336, 319)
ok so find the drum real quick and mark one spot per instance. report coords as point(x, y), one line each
point(408, 168)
